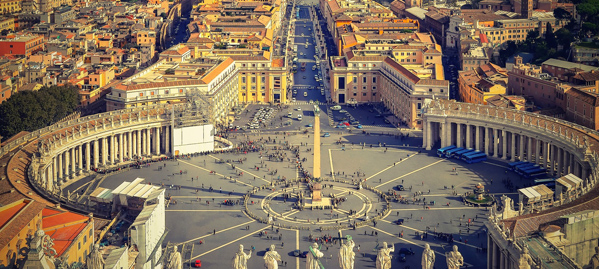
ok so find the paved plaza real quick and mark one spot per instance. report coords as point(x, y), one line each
point(198, 187)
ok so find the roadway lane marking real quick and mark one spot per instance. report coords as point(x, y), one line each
point(422, 168)
point(221, 231)
point(391, 166)
point(215, 173)
point(249, 173)
point(231, 242)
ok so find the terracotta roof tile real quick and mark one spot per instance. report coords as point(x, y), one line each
point(407, 73)
point(217, 70)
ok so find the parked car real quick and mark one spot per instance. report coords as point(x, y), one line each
point(400, 187)
point(326, 135)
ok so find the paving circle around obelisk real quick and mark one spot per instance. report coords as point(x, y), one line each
point(349, 204)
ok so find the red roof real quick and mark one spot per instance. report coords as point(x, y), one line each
point(483, 38)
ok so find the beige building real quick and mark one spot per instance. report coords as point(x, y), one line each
point(401, 74)
point(478, 85)
point(214, 80)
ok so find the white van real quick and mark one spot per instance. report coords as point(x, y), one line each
point(290, 115)
point(336, 108)
point(299, 117)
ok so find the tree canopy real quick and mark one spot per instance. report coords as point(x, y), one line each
point(32, 110)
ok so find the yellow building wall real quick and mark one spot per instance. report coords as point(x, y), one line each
point(495, 90)
point(25, 233)
point(82, 245)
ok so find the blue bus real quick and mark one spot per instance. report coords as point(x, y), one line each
point(459, 154)
point(450, 152)
point(514, 164)
point(534, 173)
point(463, 157)
point(441, 151)
point(528, 168)
point(549, 182)
point(522, 166)
point(476, 158)
point(297, 14)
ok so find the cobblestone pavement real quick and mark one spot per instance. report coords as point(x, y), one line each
point(200, 214)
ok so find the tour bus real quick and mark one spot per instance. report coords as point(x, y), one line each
point(539, 172)
point(523, 164)
point(441, 151)
point(524, 167)
point(459, 154)
point(514, 164)
point(528, 168)
point(476, 158)
point(464, 155)
point(449, 153)
point(549, 182)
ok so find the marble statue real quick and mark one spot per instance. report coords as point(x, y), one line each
point(525, 260)
point(454, 258)
point(383, 258)
point(428, 257)
point(595, 259)
point(312, 261)
point(241, 259)
point(272, 258)
point(95, 259)
point(347, 254)
point(174, 260)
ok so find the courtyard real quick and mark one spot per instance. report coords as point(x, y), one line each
point(206, 199)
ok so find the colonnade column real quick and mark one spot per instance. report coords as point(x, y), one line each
point(73, 161)
point(427, 136)
point(504, 144)
point(488, 137)
point(51, 177)
point(167, 137)
point(521, 147)
point(545, 154)
point(148, 147)
point(66, 163)
point(80, 162)
point(130, 144)
point(468, 136)
point(87, 156)
point(560, 161)
point(495, 140)
point(121, 147)
point(458, 130)
point(553, 159)
point(512, 146)
point(537, 151)
point(96, 152)
point(112, 140)
point(60, 165)
point(572, 162)
point(157, 140)
point(54, 171)
point(477, 134)
point(443, 134)
point(529, 148)
point(138, 143)
point(104, 151)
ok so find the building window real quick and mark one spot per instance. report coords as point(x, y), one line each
point(373, 79)
point(355, 94)
point(242, 79)
point(363, 94)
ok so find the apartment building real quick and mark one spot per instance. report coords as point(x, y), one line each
point(166, 81)
point(342, 12)
point(482, 83)
point(586, 53)
point(578, 97)
point(7, 24)
point(21, 45)
point(245, 34)
point(10, 6)
point(401, 75)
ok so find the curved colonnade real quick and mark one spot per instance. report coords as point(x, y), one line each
point(559, 146)
point(52, 156)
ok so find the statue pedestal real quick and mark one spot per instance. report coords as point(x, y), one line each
point(322, 202)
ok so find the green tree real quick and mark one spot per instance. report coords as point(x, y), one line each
point(28, 111)
point(550, 37)
point(561, 14)
point(564, 37)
